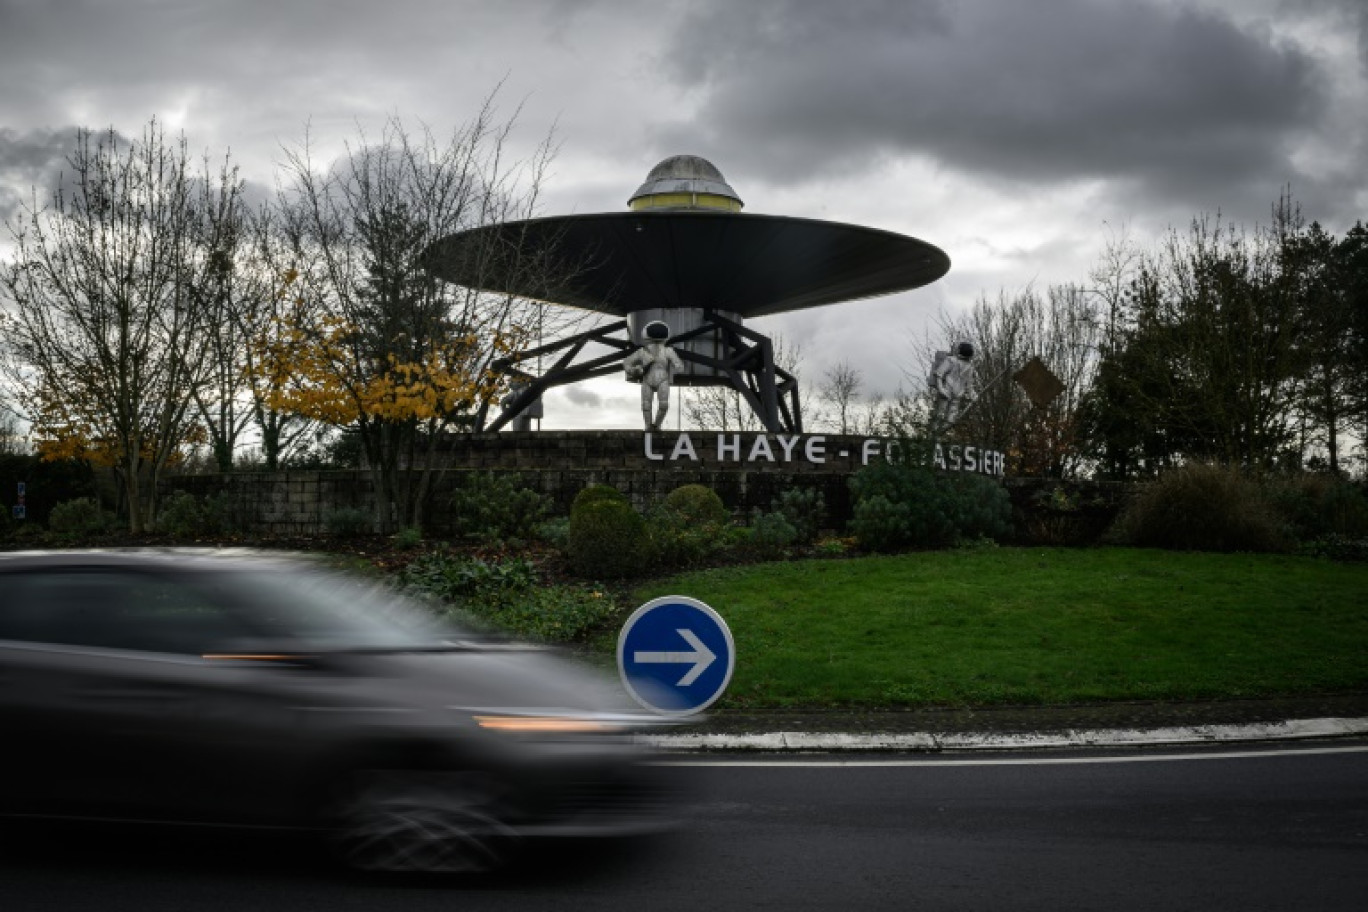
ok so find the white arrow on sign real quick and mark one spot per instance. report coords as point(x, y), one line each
point(700, 658)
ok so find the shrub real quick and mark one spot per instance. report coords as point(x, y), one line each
point(596, 492)
point(555, 614)
point(696, 503)
point(904, 505)
point(832, 547)
point(511, 595)
point(491, 506)
point(27, 533)
point(687, 527)
point(770, 534)
point(219, 514)
point(981, 507)
point(899, 505)
point(82, 516)
point(407, 538)
point(880, 525)
point(459, 580)
point(555, 532)
point(1315, 506)
point(675, 541)
point(607, 539)
point(179, 515)
point(1200, 508)
point(184, 515)
point(803, 509)
point(1338, 548)
point(347, 522)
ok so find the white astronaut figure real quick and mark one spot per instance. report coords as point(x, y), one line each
point(950, 379)
point(654, 365)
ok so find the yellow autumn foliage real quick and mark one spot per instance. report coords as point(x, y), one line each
point(317, 370)
point(63, 430)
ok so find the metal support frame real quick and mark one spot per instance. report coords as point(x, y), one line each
point(563, 371)
point(747, 366)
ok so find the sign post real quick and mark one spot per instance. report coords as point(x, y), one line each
point(675, 655)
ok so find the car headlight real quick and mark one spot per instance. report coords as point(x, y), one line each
point(555, 722)
point(557, 725)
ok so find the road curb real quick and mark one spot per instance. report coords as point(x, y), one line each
point(1291, 730)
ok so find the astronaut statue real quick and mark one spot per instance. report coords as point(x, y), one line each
point(950, 379)
point(654, 366)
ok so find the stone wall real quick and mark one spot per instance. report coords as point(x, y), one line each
point(558, 464)
point(561, 463)
point(788, 454)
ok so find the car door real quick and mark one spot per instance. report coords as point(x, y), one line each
point(113, 705)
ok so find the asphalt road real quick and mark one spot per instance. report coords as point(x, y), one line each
point(1267, 828)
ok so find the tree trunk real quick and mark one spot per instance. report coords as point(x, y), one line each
point(1332, 442)
point(270, 444)
point(133, 489)
point(223, 455)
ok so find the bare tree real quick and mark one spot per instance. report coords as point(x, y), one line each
point(840, 390)
point(872, 419)
point(378, 343)
point(1110, 280)
point(1062, 329)
point(11, 437)
point(252, 364)
point(231, 285)
point(107, 321)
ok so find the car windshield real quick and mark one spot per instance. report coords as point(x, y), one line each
point(320, 610)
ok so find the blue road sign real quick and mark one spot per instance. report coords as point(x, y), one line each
point(675, 655)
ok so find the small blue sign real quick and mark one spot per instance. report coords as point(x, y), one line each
point(675, 655)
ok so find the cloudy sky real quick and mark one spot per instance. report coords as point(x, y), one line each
point(1017, 136)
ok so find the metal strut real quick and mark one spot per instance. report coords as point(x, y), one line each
point(747, 366)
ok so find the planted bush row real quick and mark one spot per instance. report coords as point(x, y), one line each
point(896, 507)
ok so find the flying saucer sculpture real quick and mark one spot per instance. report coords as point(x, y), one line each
point(684, 255)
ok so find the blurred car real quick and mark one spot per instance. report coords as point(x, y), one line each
point(239, 689)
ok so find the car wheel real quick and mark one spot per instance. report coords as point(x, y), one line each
point(420, 822)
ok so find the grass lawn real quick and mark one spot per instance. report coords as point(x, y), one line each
point(1021, 626)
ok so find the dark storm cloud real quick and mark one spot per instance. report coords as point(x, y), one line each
point(1351, 14)
point(263, 47)
point(31, 162)
point(1168, 97)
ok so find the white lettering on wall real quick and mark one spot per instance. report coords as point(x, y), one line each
point(726, 448)
point(683, 447)
point(815, 451)
point(651, 454)
point(868, 450)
